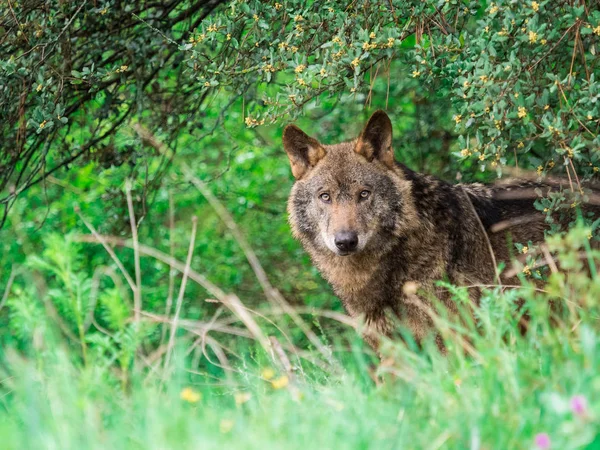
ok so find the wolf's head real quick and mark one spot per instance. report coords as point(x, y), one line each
point(351, 197)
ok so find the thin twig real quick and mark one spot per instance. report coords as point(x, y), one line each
point(184, 279)
point(137, 294)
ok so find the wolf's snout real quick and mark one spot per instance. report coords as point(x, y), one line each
point(346, 241)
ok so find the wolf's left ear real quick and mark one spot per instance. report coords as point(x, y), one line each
point(375, 142)
point(303, 151)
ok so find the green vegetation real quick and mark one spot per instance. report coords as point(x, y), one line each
point(174, 123)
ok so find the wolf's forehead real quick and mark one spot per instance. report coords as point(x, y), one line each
point(343, 167)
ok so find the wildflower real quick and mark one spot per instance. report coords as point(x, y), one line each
point(527, 271)
point(457, 118)
point(301, 82)
point(283, 45)
point(535, 6)
point(299, 28)
point(525, 249)
point(278, 6)
point(212, 28)
point(280, 382)
point(337, 40)
point(533, 37)
point(323, 72)
point(579, 404)
point(596, 169)
point(206, 84)
point(372, 35)
point(103, 11)
point(298, 18)
point(522, 112)
point(551, 164)
point(294, 49)
point(416, 73)
point(242, 397)
point(542, 441)
point(484, 78)
point(269, 68)
point(487, 109)
point(596, 30)
point(570, 153)
point(546, 107)
point(539, 170)
point(520, 145)
point(267, 373)
point(465, 152)
point(543, 41)
point(546, 210)
point(39, 87)
point(226, 426)
point(390, 42)
point(43, 124)
point(486, 29)
point(589, 116)
point(191, 396)
point(507, 68)
point(255, 17)
point(355, 62)
point(482, 157)
point(517, 95)
point(494, 9)
point(300, 68)
point(228, 37)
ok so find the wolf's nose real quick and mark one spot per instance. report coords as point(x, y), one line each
point(346, 241)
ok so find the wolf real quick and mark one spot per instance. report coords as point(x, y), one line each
point(378, 231)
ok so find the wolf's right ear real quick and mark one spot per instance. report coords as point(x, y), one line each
point(375, 142)
point(303, 151)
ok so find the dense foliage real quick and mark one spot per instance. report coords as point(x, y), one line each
point(150, 292)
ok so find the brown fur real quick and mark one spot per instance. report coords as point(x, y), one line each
point(412, 229)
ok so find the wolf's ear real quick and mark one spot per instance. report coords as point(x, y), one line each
point(375, 142)
point(303, 151)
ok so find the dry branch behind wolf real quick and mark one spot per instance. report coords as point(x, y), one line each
point(373, 227)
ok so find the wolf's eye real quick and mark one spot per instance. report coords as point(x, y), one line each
point(325, 197)
point(364, 194)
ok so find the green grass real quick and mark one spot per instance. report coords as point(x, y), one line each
point(495, 389)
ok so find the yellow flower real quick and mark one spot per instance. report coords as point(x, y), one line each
point(267, 373)
point(390, 42)
point(212, 28)
point(206, 84)
point(416, 73)
point(535, 6)
point(228, 37)
point(543, 42)
point(482, 157)
point(551, 164)
point(539, 170)
point(484, 78)
point(520, 144)
point(242, 397)
point(355, 62)
point(301, 82)
point(596, 169)
point(525, 249)
point(522, 112)
point(278, 6)
point(226, 426)
point(596, 30)
point(372, 35)
point(39, 88)
point(43, 124)
point(457, 118)
point(465, 152)
point(494, 9)
point(533, 37)
point(337, 40)
point(486, 29)
point(255, 17)
point(517, 95)
point(191, 396)
point(300, 68)
point(294, 49)
point(507, 68)
point(298, 18)
point(280, 383)
point(589, 116)
point(527, 271)
point(546, 107)
point(323, 72)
